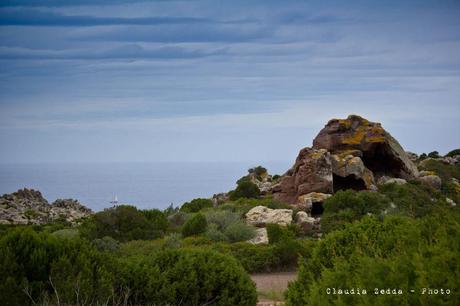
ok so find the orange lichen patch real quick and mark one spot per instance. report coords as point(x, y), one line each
point(354, 139)
point(316, 155)
point(375, 139)
point(377, 129)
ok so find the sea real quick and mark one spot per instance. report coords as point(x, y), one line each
point(144, 185)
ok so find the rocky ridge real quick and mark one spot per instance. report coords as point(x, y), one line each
point(28, 206)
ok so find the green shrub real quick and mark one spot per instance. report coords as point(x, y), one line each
point(123, 223)
point(67, 233)
point(157, 218)
point(194, 226)
point(222, 218)
point(196, 205)
point(215, 234)
point(453, 153)
point(106, 244)
point(177, 219)
point(239, 231)
point(434, 154)
point(396, 252)
point(444, 171)
point(188, 277)
point(277, 233)
point(245, 189)
point(40, 264)
point(172, 241)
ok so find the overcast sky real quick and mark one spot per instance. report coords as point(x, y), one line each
point(221, 80)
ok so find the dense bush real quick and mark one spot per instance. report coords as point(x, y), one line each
point(188, 277)
point(239, 231)
point(39, 268)
point(124, 223)
point(157, 218)
point(413, 199)
point(245, 189)
point(445, 171)
point(277, 233)
point(196, 205)
point(194, 226)
point(347, 206)
point(453, 153)
point(396, 252)
point(434, 154)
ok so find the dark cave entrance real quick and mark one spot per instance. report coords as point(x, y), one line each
point(348, 182)
point(381, 162)
point(317, 209)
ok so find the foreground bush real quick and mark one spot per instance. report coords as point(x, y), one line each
point(245, 189)
point(397, 252)
point(42, 268)
point(188, 277)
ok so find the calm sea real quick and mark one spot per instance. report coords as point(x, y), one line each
point(145, 185)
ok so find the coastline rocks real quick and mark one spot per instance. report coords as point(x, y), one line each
point(261, 236)
point(259, 216)
point(28, 206)
point(312, 172)
point(380, 152)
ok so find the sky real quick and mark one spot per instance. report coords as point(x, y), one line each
point(115, 81)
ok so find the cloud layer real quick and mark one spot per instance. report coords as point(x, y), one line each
point(236, 80)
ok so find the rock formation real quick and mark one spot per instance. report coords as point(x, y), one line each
point(380, 152)
point(260, 216)
point(347, 153)
point(28, 206)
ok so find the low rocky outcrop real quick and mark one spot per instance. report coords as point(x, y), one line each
point(431, 180)
point(28, 206)
point(260, 216)
point(312, 202)
point(305, 222)
point(391, 180)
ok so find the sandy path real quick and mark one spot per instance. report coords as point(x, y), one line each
point(272, 282)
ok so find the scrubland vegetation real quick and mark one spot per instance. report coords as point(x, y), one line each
point(403, 236)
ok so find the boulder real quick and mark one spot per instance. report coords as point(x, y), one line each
point(432, 181)
point(380, 152)
point(451, 202)
point(391, 180)
point(305, 223)
point(260, 216)
point(261, 236)
point(312, 172)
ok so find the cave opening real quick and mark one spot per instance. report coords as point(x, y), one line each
point(348, 182)
point(317, 209)
point(380, 162)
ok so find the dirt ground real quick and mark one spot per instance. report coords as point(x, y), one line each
point(271, 286)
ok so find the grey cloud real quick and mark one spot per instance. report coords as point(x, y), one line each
point(130, 51)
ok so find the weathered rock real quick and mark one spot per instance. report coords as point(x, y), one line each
point(312, 172)
point(261, 236)
point(27, 206)
point(412, 156)
point(381, 153)
point(305, 202)
point(349, 172)
point(219, 198)
point(451, 202)
point(260, 216)
point(305, 223)
point(432, 181)
point(391, 180)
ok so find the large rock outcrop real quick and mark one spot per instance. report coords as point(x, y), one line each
point(350, 153)
point(28, 206)
point(380, 152)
